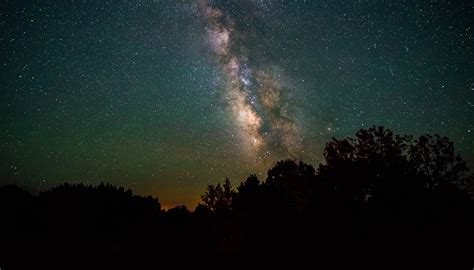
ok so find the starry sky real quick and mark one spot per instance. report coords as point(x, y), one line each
point(165, 97)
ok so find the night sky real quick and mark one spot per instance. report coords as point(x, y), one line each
point(165, 97)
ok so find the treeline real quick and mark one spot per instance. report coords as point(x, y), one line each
point(377, 195)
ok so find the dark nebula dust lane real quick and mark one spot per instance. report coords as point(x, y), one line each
point(165, 97)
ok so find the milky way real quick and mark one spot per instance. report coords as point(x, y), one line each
point(254, 94)
point(168, 96)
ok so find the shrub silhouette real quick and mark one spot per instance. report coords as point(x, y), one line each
point(103, 208)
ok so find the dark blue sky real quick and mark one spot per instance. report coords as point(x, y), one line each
point(141, 93)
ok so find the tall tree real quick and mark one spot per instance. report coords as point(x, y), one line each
point(218, 198)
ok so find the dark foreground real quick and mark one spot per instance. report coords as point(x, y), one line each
point(380, 201)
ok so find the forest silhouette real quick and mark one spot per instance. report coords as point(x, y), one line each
point(378, 196)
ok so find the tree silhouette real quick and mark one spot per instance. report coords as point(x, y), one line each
point(292, 180)
point(178, 214)
point(379, 161)
point(373, 163)
point(16, 206)
point(434, 158)
point(101, 208)
point(218, 198)
point(248, 197)
point(376, 192)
